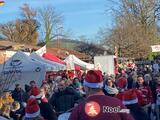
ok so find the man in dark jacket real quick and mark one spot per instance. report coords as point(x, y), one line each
point(18, 94)
point(47, 112)
point(65, 98)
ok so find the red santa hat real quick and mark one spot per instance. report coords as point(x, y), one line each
point(94, 79)
point(122, 82)
point(129, 97)
point(32, 109)
point(35, 93)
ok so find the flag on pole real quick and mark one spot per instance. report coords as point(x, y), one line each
point(41, 51)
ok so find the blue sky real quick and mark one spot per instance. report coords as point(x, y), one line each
point(82, 17)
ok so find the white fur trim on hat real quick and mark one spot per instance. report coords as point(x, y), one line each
point(93, 85)
point(32, 115)
point(129, 102)
point(38, 96)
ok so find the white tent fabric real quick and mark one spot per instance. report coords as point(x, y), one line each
point(41, 51)
point(50, 65)
point(21, 69)
point(71, 60)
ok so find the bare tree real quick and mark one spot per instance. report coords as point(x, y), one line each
point(7, 31)
point(135, 27)
point(22, 30)
point(27, 12)
point(51, 23)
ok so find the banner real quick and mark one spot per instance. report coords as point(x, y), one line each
point(41, 51)
point(155, 48)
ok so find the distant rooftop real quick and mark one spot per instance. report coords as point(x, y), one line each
point(62, 53)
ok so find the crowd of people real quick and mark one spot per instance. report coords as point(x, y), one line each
point(132, 94)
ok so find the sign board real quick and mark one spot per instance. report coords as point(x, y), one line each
point(155, 48)
point(105, 64)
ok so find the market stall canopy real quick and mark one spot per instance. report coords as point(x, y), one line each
point(53, 58)
point(21, 69)
point(72, 61)
point(50, 65)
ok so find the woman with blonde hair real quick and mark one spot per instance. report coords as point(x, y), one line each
point(15, 111)
point(7, 98)
point(5, 112)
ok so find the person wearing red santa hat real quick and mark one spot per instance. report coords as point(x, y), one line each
point(32, 110)
point(34, 89)
point(45, 107)
point(97, 106)
point(122, 86)
point(130, 100)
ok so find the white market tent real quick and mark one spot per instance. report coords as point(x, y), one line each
point(21, 69)
point(72, 60)
point(50, 65)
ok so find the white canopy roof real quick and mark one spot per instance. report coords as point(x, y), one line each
point(21, 69)
point(50, 65)
point(71, 60)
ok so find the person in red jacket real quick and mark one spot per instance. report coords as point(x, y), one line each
point(97, 106)
point(146, 94)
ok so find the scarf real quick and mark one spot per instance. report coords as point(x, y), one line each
point(111, 90)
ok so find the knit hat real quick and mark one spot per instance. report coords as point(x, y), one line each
point(129, 97)
point(94, 79)
point(32, 109)
point(122, 82)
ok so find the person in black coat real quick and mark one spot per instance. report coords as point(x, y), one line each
point(137, 112)
point(65, 98)
point(18, 94)
point(46, 111)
